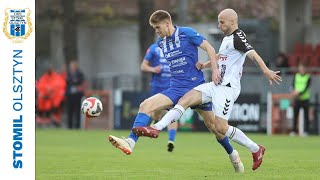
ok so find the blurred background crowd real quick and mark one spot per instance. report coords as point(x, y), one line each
point(95, 48)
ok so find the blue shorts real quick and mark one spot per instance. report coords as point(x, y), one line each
point(176, 93)
point(156, 90)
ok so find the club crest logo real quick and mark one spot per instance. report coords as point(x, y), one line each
point(17, 24)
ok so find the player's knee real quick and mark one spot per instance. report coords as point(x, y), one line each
point(221, 126)
point(146, 107)
point(143, 106)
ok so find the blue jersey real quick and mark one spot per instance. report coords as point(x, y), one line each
point(181, 50)
point(155, 57)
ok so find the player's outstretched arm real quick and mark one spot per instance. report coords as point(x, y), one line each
point(271, 75)
point(145, 67)
point(206, 64)
point(213, 60)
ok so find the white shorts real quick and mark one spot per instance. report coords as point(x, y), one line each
point(222, 98)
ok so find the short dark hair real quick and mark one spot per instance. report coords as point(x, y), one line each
point(159, 16)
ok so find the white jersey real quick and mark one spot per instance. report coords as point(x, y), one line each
point(233, 51)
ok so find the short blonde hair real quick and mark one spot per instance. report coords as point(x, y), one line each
point(159, 16)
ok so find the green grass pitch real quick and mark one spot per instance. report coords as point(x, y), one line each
point(63, 154)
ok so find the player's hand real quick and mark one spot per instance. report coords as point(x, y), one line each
point(200, 65)
point(218, 56)
point(295, 93)
point(215, 76)
point(157, 69)
point(273, 76)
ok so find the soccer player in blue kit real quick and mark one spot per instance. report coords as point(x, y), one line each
point(155, 63)
point(180, 48)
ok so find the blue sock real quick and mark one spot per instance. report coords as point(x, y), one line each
point(172, 134)
point(142, 119)
point(226, 144)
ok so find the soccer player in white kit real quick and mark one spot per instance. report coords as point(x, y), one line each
point(232, 53)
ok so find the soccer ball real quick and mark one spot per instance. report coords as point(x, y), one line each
point(91, 107)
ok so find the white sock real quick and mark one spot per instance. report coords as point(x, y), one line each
point(233, 156)
point(239, 137)
point(173, 115)
point(131, 142)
